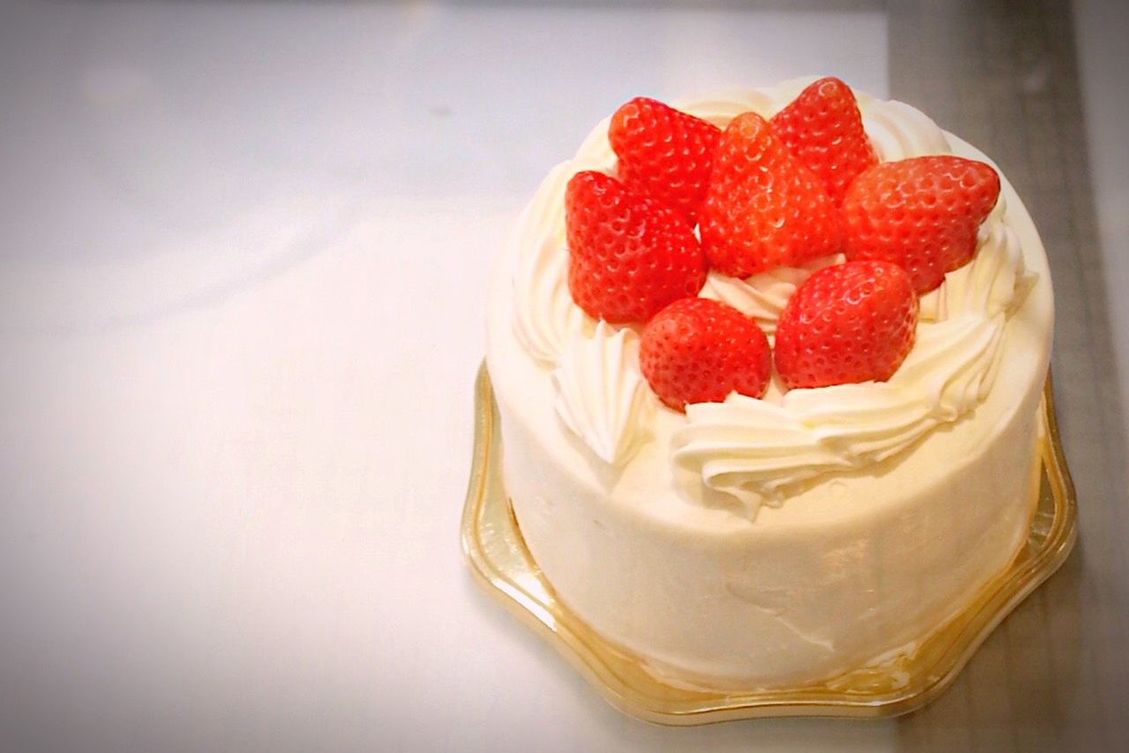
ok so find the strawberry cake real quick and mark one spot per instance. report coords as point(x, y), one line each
point(768, 369)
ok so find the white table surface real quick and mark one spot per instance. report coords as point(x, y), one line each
point(243, 251)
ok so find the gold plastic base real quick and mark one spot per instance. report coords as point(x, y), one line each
point(902, 683)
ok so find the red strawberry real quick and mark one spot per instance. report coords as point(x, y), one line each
point(920, 213)
point(664, 153)
point(629, 255)
point(847, 323)
point(698, 350)
point(823, 128)
point(763, 208)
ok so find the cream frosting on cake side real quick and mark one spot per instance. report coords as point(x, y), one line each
point(898, 502)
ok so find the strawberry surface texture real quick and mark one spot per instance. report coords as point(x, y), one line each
point(664, 153)
point(822, 127)
point(848, 323)
point(629, 255)
point(764, 209)
point(921, 213)
point(698, 350)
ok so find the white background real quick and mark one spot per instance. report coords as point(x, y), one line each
point(243, 251)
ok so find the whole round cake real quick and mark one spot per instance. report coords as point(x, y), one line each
point(768, 369)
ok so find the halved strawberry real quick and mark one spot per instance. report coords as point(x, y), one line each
point(764, 209)
point(851, 322)
point(823, 128)
point(664, 153)
point(629, 255)
point(698, 350)
point(920, 213)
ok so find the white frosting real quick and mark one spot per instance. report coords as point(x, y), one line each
point(762, 296)
point(745, 450)
point(545, 317)
point(601, 393)
point(897, 130)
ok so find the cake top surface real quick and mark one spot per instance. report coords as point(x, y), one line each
point(743, 451)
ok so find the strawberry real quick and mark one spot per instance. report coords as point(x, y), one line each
point(664, 153)
point(629, 255)
point(920, 213)
point(698, 350)
point(823, 128)
point(763, 208)
point(851, 322)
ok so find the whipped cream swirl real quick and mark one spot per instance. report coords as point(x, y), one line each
point(745, 452)
point(752, 450)
point(762, 296)
point(601, 394)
